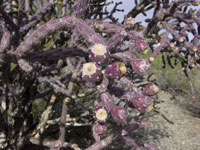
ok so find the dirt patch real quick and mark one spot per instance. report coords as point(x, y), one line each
point(184, 134)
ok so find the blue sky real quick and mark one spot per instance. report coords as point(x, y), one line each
point(127, 5)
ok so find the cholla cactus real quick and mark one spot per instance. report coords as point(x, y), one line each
point(100, 129)
point(151, 89)
point(100, 114)
point(47, 47)
point(99, 54)
point(141, 103)
point(107, 101)
point(141, 46)
point(116, 70)
point(119, 114)
point(91, 72)
point(140, 66)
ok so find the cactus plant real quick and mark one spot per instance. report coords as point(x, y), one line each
point(99, 54)
point(141, 103)
point(119, 114)
point(115, 70)
point(151, 89)
point(100, 114)
point(91, 72)
point(140, 66)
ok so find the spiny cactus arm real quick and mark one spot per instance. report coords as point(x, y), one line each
point(103, 143)
point(27, 6)
point(196, 19)
point(8, 20)
point(137, 143)
point(50, 27)
point(134, 35)
point(139, 7)
point(126, 56)
point(115, 40)
point(170, 29)
point(95, 135)
point(56, 53)
point(114, 136)
point(37, 36)
point(104, 84)
point(64, 107)
point(164, 42)
point(44, 118)
point(105, 26)
point(74, 38)
point(81, 8)
point(56, 87)
point(5, 41)
point(88, 33)
point(27, 24)
point(125, 82)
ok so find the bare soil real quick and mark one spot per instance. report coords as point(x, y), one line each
point(184, 134)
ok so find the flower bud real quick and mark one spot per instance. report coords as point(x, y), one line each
point(119, 114)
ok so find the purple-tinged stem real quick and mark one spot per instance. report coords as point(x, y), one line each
point(64, 107)
point(27, 6)
point(163, 43)
point(88, 33)
point(115, 136)
point(170, 29)
point(37, 36)
point(27, 24)
point(5, 41)
point(81, 8)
